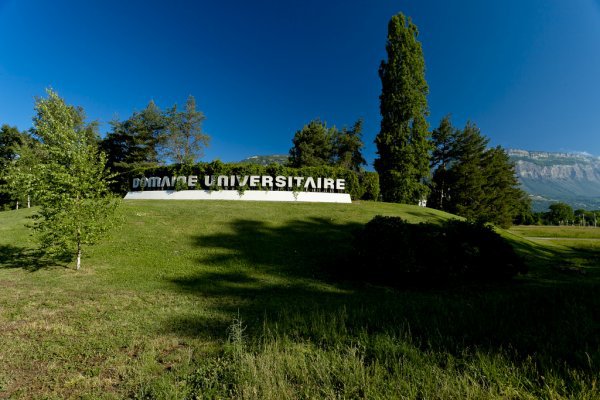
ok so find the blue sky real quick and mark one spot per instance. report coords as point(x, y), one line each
point(527, 72)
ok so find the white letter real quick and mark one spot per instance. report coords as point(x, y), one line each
point(340, 184)
point(165, 182)
point(280, 181)
point(154, 181)
point(222, 180)
point(136, 183)
point(254, 180)
point(208, 180)
point(328, 184)
point(267, 181)
point(192, 180)
point(309, 182)
point(243, 182)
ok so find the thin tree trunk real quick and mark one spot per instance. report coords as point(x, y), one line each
point(78, 255)
point(17, 205)
point(28, 201)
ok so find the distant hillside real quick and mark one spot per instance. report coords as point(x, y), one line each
point(573, 178)
point(266, 160)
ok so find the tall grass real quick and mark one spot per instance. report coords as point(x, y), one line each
point(381, 365)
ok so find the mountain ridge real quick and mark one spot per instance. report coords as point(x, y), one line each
point(548, 177)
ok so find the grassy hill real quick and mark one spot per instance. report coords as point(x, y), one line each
point(236, 299)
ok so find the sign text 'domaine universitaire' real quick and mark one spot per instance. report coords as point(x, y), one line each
point(252, 181)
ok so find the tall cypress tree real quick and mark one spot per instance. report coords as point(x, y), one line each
point(402, 145)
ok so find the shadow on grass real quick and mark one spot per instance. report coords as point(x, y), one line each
point(27, 259)
point(284, 277)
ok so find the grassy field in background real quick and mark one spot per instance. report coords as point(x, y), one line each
point(237, 299)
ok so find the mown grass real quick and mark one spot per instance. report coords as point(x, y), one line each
point(232, 299)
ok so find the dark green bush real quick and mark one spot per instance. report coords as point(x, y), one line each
point(390, 251)
point(369, 183)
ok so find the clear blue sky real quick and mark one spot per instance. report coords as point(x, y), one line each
point(526, 71)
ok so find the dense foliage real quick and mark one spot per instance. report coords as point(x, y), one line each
point(316, 144)
point(151, 137)
point(472, 180)
point(361, 185)
point(391, 251)
point(402, 145)
point(10, 141)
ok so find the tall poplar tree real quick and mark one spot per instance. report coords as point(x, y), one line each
point(402, 145)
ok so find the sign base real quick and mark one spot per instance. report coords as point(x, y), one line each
point(248, 195)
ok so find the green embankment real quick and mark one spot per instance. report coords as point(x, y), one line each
point(156, 310)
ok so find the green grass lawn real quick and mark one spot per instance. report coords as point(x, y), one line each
point(236, 299)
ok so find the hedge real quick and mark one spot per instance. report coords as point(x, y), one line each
point(362, 185)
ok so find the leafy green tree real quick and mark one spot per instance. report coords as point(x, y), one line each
point(70, 183)
point(347, 147)
point(21, 172)
point(313, 145)
point(184, 140)
point(402, 145)
point(10, 140)
point(560, 214)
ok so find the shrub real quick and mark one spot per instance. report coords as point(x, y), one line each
point(390, 251)
point(369, 183)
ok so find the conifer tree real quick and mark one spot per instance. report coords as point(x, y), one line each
point(467, 178)
point(478, 183)
point(184, 140)
point(402, 145)
point(443, 140)
point(313, 145)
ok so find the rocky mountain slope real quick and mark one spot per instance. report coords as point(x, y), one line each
point(569, 177)
point(266, 160)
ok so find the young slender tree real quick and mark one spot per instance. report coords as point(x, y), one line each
point(70, 182)
point(402, 145)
